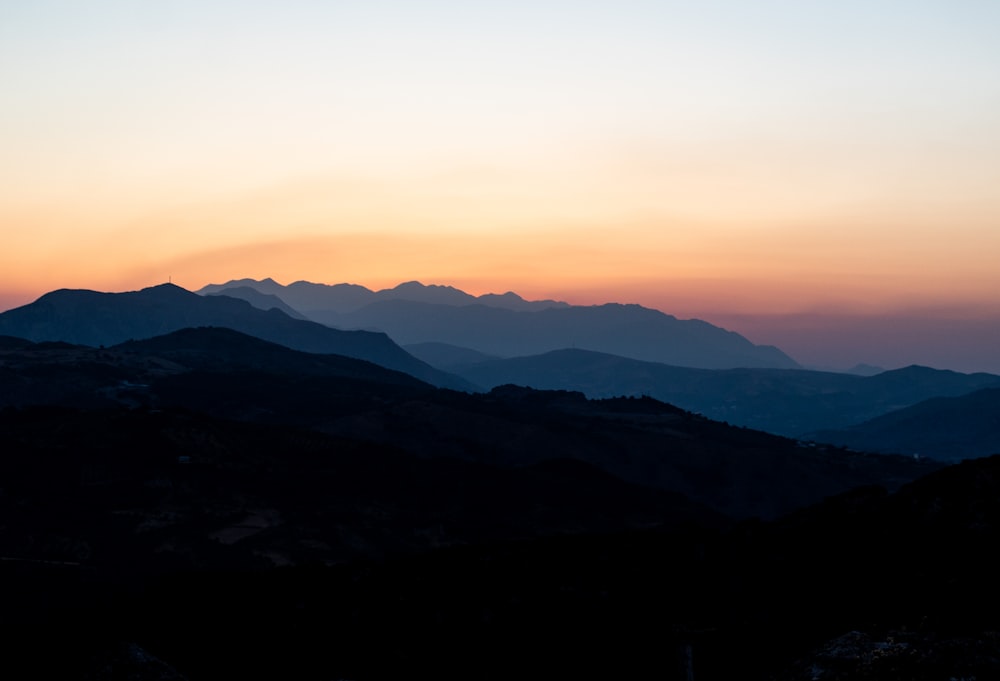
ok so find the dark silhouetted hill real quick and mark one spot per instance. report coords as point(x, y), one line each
point(216, 370)
point(222, 493)
point(224, 350)
point(225, 549)
point(735, 471)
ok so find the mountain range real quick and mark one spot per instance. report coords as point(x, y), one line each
point(493, 340)
point(199, 501)
point(791, 402)
point(228, 375)
point(945, 428)
point(248, 491)
point(316, 300)
point(794, 403)
point(506, 325)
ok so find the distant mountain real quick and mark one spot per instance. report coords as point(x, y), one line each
point(320, 300)
point(508, 326)
point(946, 428)
point(865, 370)
point(261, 301)
point(626, 330)
point(788, 402)
point(92, 318)
point(446, 357)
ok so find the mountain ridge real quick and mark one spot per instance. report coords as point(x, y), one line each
point(790, 402)
point(506, 325)
point(255, 490)
point(949, 428)
point(226, 375)
point(310, 297)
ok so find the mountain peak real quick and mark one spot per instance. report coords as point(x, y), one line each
point(163, 292)
point(917, 370)
point(411, 286)
point(167, 287)
point(509, 296)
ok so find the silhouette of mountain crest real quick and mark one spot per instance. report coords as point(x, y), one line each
point(507, 325)
point(321, 299)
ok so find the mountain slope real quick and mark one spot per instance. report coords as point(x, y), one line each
point(273, 494)
point(447, 357)
point(261, 301)
point(220, 373)
point(788, 402)
point(267, 381)
point(507, 325)
point(120, 524)
point(446, 535)
point(93, 318)
point(946, 428)
point(220, 349)
point(626, 330)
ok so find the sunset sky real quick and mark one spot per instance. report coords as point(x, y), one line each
point(824, 176)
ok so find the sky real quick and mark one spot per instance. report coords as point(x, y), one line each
point(820, 176)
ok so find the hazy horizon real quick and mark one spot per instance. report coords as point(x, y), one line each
point(830, 341)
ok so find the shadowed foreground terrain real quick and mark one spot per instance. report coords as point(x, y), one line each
point(206, 505)
point(277, 553)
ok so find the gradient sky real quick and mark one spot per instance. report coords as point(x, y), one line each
point(773, 166)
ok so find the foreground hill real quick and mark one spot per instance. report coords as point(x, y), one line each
point(787, 402)
point(946, 428)
point(227, 375)
point(96, 319)
point(508, 326)
point(224, 350)
point(171, 488)
point(133, 374)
